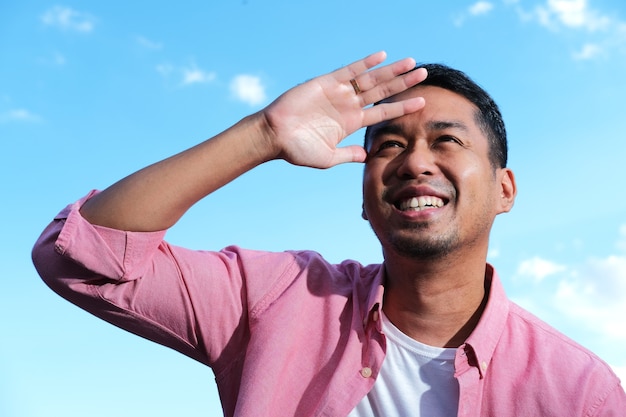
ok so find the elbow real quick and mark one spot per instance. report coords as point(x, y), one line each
point(51, 266)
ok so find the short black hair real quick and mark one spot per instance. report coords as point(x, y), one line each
point(488, 116)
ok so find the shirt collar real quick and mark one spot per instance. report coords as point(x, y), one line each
point(375, 297)
point(483, 341)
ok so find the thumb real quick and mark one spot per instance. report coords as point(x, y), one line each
point(351, 153)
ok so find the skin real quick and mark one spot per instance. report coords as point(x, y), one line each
point(304, 126)
point(434, 258)
point(435, 299)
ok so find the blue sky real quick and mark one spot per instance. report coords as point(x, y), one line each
point(92, 91)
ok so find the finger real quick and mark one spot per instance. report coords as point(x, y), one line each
point(383, 87)
point(351, 153)
point(391, 110)
point(345, 74)
point(373, 78)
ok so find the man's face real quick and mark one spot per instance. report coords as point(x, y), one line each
point(429, 188)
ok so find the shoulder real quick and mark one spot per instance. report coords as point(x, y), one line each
point(295, 274)
point(552, 361)
point(545, 342)
point(324, 277)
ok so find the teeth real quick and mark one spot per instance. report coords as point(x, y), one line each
point(421, 203)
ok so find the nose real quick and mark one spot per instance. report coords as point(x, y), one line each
point(416, 161)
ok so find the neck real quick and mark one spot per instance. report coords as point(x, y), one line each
point(437, 302)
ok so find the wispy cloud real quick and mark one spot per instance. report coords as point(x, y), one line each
point(195, 75)
point(604, 34)
point(621, 373)
point(588, 51)
point(186, 75)
point(165, 69)
point(246, 88)
point(19, 115)
point(479, 8)
point(538, 268)
point(575, 14)
point(594, 295)
point(588, 297)
point(249, 89)
point(55, 59)
point(148, 43)
point(66, 18)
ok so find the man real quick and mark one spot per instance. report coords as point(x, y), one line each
point(427, 333)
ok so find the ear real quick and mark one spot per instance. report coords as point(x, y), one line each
point(363, 213)
point(508, 190)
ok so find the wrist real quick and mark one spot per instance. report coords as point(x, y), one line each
point(261, 137)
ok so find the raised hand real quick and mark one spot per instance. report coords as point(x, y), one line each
point(305, 124)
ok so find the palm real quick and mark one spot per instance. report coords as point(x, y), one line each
point(310, 120)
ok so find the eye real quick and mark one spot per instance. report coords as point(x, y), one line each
point(449, 139)
point(389, 146)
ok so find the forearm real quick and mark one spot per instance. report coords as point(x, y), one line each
point(304, 127)
point(155, 197)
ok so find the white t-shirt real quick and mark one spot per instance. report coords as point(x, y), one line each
point(415, 380)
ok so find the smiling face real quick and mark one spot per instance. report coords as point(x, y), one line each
point(429, 187)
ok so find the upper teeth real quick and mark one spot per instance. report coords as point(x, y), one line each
point(420, 203)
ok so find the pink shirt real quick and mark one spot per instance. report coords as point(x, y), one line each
point(288, 334)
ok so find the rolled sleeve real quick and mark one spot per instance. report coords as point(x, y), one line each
point(196, 302)
point(613, 405)
point(115, 254)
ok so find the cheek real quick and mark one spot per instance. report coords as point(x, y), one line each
point(372, 178)
point(372, 193)
point(469, 171)
point(369, 194)
point(473, 184)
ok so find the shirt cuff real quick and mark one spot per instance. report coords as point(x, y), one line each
point(115, 254)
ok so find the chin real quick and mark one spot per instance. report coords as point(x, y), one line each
point(431, 248)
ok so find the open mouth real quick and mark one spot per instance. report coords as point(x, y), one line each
point(419, 203)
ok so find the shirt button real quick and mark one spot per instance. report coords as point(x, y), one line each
point(375, 316)
point(366, 372)
point(483, 366)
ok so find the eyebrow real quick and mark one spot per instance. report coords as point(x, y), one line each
point(393, 129)
point(386, 129)
point(447, 124)
point(434, 125)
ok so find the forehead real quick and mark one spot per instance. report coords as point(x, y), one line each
point(443, 108)
point(439, 101)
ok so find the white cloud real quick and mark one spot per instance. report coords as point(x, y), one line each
point(595, 296)
point(493, 253)
point(165, 69)
point(480, 8)
point(574, 14)
point(58, 59)
point(55, 59)
point(588, 51)
point(186, 75)
point(147, 43)
point(19, 115)
point(604, 34)
point(194, 75)
point(585, 298)
point(538, 268)
point(67, 18)
point(621, 373)
point(569, 14)
point(248, 89)
point(477, 9)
